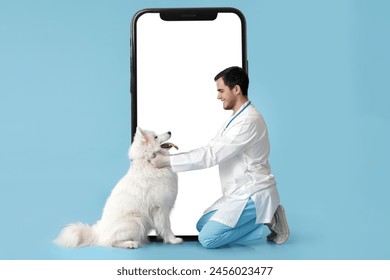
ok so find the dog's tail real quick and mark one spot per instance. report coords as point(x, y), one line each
point(76, 235)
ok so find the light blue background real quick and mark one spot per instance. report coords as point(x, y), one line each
point(319, 73)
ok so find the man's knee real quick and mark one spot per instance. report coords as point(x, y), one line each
point(214, 235)
point(209, 240)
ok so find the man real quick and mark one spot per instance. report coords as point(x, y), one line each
point(241, 149)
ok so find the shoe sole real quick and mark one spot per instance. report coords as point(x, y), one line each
point(283, 220)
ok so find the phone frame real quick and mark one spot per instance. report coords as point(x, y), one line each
point(176, 14)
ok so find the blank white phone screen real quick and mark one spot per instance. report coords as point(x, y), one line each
point(176, 65)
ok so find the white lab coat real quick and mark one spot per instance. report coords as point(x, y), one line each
point(241, 150)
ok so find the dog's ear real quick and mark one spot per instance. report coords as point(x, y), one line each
point(139, 130)
point(141, 135)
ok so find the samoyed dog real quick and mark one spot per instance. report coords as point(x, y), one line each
point(141, 201)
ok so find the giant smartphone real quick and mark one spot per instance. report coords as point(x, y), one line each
point(175, 55)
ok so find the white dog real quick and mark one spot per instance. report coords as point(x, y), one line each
point(141, 201)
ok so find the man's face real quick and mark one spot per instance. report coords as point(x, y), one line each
point(226, 95)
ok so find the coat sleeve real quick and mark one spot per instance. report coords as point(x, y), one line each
point(221, 148)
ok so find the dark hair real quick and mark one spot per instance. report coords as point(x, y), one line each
point(233, 76)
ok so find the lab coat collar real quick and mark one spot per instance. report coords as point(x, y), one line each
point(242, 108)
point(246, 104)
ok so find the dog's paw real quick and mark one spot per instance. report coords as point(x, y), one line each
point(176, 240)
point(132, 244)
point(128, 244)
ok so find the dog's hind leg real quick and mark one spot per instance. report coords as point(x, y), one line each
point(163, 226)
point(131, 234)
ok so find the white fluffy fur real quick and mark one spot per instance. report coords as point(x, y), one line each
point(142, 200)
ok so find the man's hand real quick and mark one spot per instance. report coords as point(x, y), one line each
point(161, 161)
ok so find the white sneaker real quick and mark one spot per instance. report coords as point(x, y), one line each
point(280, 227)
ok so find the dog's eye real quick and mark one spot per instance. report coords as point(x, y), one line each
point(155, 137)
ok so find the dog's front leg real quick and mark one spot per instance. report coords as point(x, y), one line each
point(163, 226)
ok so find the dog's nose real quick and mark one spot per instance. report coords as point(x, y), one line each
point(169, 133)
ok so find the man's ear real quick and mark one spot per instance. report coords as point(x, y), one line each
point(236, 89)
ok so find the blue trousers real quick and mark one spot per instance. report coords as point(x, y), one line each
point(213, 234)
